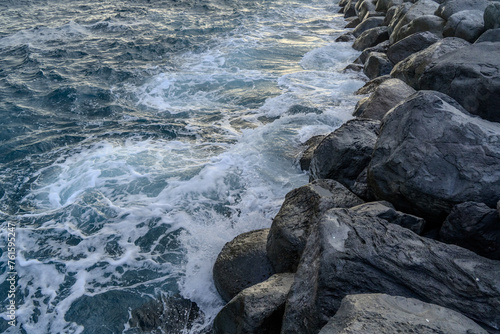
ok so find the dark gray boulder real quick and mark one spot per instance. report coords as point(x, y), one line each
point(385, 210)
point(371, 37)
point(430, 23)
point(242, 262)
point(471, 76)
point(371, 85)
point(450, 7)
point(410, 45)
point(432, 155)
point(347, 37)
point(381, 47)
point(369, 23)
point(353, 23)
point(300, 109)
point(298, 214)
point(474, 226)
point(377, 65)
point(492, 15)
point(307, 154)
point(364, 8)
point(381, 313)
point(467, 24)
point(349, 9)
point(492, 35)
point(394, 14)
point(256, 310)
point(416, 11)
point(345, 152)
point(385, 97)
point(350, 254)
point(384, 5)
point(411, 69)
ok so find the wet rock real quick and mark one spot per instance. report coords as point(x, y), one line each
point(384, 5)
point(467, 24)
point(371, 37)
point(381, 313)
point(298, 214)
point(349, 254)
point(257, 309)
point(385, 97)
point(385, 210)
point(347, 37)
point(411, 69)
point(371, 85)
point(431, 155)
point(377, 65)
point(311, 144)
point(415, 11)
point(492, 15)
point(410, 45)
point(344, 153)
point(365, 7)
point(243, 262)
point(492, 35)
point(474, 226)
point(430, 23)
point(450, 7)
point(353, 68)
point(471, 76)
point(395, 14)
point(353, 23)
point(300, 109)
point(369, 23)
point(349, 9)
point(382, 48)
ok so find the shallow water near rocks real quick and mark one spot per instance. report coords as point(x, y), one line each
point(138, 138)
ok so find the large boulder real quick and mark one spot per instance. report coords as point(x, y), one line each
point(377, 65)
point(418, 9)
point(492, 15)
point(386, 96)
point(384, 5)
point(474, 226)
point(410, 45)
point(256, 310)
point(307, 154)
point(381, 47)
point(344, 153)
point(242, 263)
point(432, 155)
point(411, 69)
point(450, 7)
point(492, 35)
point(372, 85)
point(370, 37)
point(349, 254)
point(467, 24)
point(430, 23)
point(369, 23)
point(471, 76)
point(364, 8)
point(381, 313)
point(298, 214)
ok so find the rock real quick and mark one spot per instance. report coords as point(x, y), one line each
point(411, 69)
point(467, 24)
point(343, 3)
point(243, 262)
point(349, 10)
point(371, 37)
point(364, 7)
point(492, 35)
point(471, 76)
point(474, 226)
point(395, 14)
point(257, 309)
point(377, 65)
point(381, 313)
point(371, 85)
point(386, 96)
point(385, 210)
point(347, 37)
point(291, 226)
point(384, 5)
point(349, 254)
point(432, 155)
point(410, 45)
point(415, 11)
point(369, 23)
point(345, 152)
point(450, 7)
point(300, 109)
point(430, 23)
point(382, 48)
point(353, 68)
point(492, 15)
point(311, 144)
point(353, 23)
point(168, 314)
point(360, 186)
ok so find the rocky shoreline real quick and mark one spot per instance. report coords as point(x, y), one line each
point(399, 229)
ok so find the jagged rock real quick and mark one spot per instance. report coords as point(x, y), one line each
point(377, 64)
point(381, 47)
point(243, 262)
point(430, 23)
point(364, 7)
point(371, 85)
point(360, 186)
point(450, 7)
point(384, 5)
point(411, 69)
point(474, 226)
point(431, 155)
point(467, 24)
point(386, 96)
point(350, 254)
point(492, 15)
point(415, 11)
point(369, 23)
point(471, 76)
point(256, 310)
point(371, 37)
point(347, 37)
point(345, 152)
point(492, 35)
point(291, 226)
point(395, 14)
point(349, 9)
point(343, 3)
point(385, 210)
point(311, 144)
point(168, 314)
point(381, 313)
point(410, 45)
point(353, 23)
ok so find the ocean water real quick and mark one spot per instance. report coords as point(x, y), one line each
point(138, 137)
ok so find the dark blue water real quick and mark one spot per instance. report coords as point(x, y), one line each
point(137, 137)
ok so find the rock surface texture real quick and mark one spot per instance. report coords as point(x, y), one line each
point(410, 45)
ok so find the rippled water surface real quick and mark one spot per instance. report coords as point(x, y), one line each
point(137, 137)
